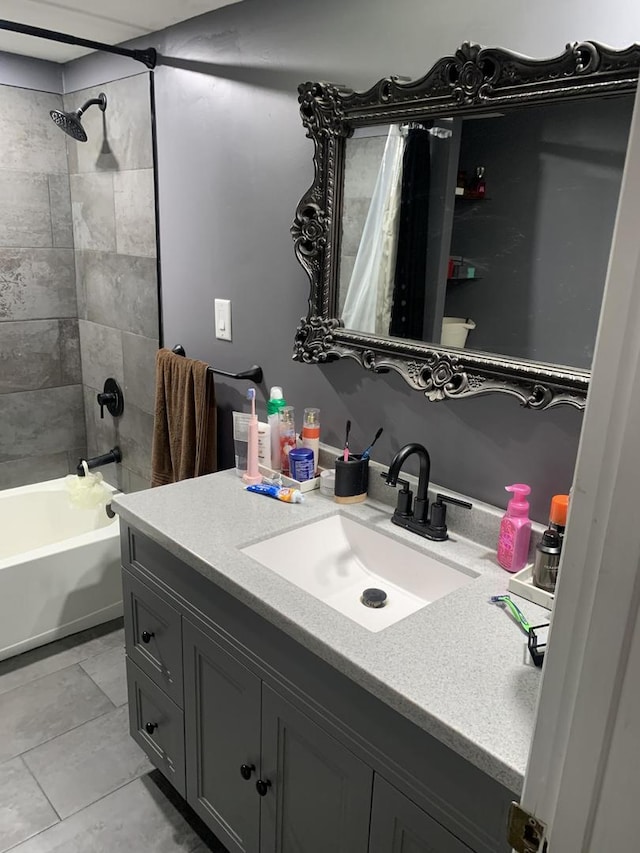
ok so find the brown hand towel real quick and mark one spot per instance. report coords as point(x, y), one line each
point(184, 430)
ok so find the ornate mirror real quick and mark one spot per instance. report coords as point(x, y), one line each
point(458, 227)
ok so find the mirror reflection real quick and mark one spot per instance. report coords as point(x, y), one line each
point(489, 232)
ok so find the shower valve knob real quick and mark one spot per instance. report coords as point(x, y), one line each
point(111, 396)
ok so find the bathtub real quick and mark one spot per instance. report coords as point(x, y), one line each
point(59, 567)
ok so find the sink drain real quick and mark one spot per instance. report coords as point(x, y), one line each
point(374, 597)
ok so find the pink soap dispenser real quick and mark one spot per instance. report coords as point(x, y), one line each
point(515, 530)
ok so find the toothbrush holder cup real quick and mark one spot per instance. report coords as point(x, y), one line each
point(352, 479)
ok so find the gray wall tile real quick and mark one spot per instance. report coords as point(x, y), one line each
point(133, 482)
point(93, 212)
point(135, 431)
point(60, 201)
point(101, 354)
point(70, 367)
point(120, 291)
point(120, 138)
point(139, 357)
point(29, 355)
point(134, 199)
point(37, 284)
point(24, 809)
point(39, 423)
point(29, 140)
point(25, 220)
point(33, 469)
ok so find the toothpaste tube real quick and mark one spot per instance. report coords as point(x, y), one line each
point(290, 496)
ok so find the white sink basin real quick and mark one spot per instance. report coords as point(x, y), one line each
point(337, 558)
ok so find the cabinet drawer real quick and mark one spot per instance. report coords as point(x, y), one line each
point(157, 725)
point(153, 636)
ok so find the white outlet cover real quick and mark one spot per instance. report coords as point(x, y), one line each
point(223, 319)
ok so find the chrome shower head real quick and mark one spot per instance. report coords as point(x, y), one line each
point(71, 122)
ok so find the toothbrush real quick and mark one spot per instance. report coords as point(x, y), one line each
point(252, 474)
point(518, 615)
point(367, 452)
point(345, 455)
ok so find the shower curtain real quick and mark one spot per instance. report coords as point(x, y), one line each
point(367, 306)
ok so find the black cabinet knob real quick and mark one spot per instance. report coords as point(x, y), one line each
point(150, 727)
point(146, 636)
point(262, 786)
point(246, 770)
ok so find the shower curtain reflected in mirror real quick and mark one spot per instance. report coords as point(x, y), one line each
point(369, 297)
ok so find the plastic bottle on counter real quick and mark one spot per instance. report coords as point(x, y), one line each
point(311, 434)
point(275, 404)
point(515, 530)
point(558, 514)
point(287, 437)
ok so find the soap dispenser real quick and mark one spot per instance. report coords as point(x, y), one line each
point(515, 530)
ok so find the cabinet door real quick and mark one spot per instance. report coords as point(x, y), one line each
point(399, 826)
point(222, 733)
point(320, 794)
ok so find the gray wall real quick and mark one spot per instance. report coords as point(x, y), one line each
point(41, 414)
point(28, 73)
point(112, 197)
point(233, 164)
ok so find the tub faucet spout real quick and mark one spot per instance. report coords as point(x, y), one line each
point(113, 455)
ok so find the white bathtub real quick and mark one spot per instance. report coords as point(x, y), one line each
point(59, 567)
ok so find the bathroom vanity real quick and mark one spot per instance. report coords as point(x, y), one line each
point(288, 726)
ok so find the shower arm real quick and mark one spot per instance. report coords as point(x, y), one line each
point(148, 56)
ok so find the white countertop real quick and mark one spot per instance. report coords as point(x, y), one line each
point(459, 668)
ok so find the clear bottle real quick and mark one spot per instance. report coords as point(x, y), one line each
point(287, 430)
point(275, 403)
point(311, 434)
point(515, 530)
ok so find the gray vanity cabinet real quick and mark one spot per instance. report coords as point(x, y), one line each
point(276, 750)
point(222, 735)
point(321, 796)
point(261, 774)
point(399, 826)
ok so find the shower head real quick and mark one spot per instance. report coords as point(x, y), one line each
point(71, 122)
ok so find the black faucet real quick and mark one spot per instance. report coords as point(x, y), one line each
point(412, 515)
point(113, 455)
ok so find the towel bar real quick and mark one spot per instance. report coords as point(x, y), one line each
point(253, 374)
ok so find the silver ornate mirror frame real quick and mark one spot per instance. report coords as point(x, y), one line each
point(473, 80)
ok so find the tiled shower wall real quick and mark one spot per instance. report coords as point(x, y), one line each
point(113, 207)
point(42, 430)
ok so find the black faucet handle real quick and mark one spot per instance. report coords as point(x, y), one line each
point(456, 501)
point(438, 520)
point(405, 496)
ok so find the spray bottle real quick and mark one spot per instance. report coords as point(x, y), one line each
point(275, 404)
point(515, 530)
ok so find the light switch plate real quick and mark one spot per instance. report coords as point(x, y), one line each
point(223, 319)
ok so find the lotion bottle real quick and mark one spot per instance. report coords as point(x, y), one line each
point(515, 530)
point(311, 434)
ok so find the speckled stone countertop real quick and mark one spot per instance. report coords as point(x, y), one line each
point(458, 668)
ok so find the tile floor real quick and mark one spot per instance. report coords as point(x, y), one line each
point(71, 778)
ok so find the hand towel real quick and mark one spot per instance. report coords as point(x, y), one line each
point(184, 430)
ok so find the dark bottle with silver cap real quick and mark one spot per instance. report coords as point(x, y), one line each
point(545, 568)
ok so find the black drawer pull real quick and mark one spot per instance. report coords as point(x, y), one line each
point(150, 727)
point(262, 786)
point(246, 770)
point(146, 636)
